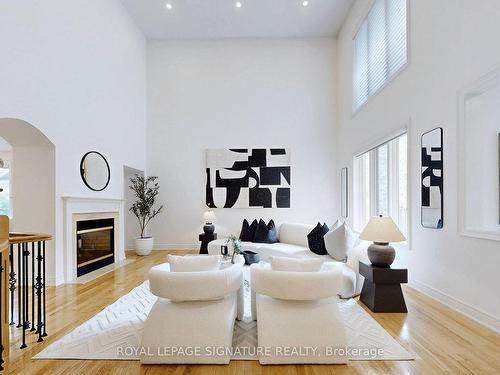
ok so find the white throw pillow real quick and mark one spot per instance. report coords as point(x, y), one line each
point(339, 241)
point(295, 264)
point(193, 263)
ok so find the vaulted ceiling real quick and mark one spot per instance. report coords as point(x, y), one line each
point(215, 19)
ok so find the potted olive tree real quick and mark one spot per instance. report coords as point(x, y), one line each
point(146, 190)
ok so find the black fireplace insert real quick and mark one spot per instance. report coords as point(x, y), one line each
point(95, 245)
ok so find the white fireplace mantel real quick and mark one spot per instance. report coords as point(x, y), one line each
point(77, 208)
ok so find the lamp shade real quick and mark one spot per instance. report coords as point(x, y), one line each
point(209, 216)
point(382, 229)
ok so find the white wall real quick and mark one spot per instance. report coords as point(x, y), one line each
point(451, 45)
point(33, 198)
point(33, 194)
point(244, 93)
point(76, 71)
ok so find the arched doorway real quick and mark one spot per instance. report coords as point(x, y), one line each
point(32, 179)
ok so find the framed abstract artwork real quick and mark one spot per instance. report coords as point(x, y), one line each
point(432, 179)
point(248, 178)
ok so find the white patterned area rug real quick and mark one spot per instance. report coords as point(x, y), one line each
point(113, 333)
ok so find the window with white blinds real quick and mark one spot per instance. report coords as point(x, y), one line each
point(379, 48)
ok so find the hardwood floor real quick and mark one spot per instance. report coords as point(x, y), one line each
point(443, 341)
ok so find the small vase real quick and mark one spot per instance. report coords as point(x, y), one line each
point(224, 251)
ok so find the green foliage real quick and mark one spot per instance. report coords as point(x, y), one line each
point(235, 241)
point(146, 190)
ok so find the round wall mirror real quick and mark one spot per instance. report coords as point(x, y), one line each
point(94, 170)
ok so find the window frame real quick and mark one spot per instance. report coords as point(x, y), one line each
point(373, 178)
point(396, 73)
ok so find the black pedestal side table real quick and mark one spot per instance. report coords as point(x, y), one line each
point(205, 240)
point(382, 288)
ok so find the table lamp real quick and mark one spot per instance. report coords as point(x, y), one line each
point(209, 218)
point(381, 230)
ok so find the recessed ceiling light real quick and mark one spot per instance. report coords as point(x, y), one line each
point(168, 5)
point(238, 4)
point(305, 3)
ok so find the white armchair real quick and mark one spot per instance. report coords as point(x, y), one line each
point(194, 313)
point(299, 310)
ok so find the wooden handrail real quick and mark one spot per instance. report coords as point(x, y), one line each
point(17, 237)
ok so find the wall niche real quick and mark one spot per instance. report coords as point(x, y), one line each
point(479, 158)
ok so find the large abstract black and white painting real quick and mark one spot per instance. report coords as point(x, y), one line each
point(432, 179)
point(248, 178)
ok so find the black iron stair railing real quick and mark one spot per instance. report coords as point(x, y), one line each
point(27, 276)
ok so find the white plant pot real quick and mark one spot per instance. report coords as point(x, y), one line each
point(143, 246)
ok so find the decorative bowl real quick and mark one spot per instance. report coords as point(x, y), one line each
point(250, 257)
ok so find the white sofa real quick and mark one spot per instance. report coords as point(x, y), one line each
point(195, 312)
point(299, 310)
point(293, 243)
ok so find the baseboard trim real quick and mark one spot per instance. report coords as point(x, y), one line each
point(478, 315)
point(173, 246)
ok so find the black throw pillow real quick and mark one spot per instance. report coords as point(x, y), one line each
point(266, 233)
point(248, 230)
point(316, 239)
point(272, 236)
point(253, 228)
point(261, 233)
